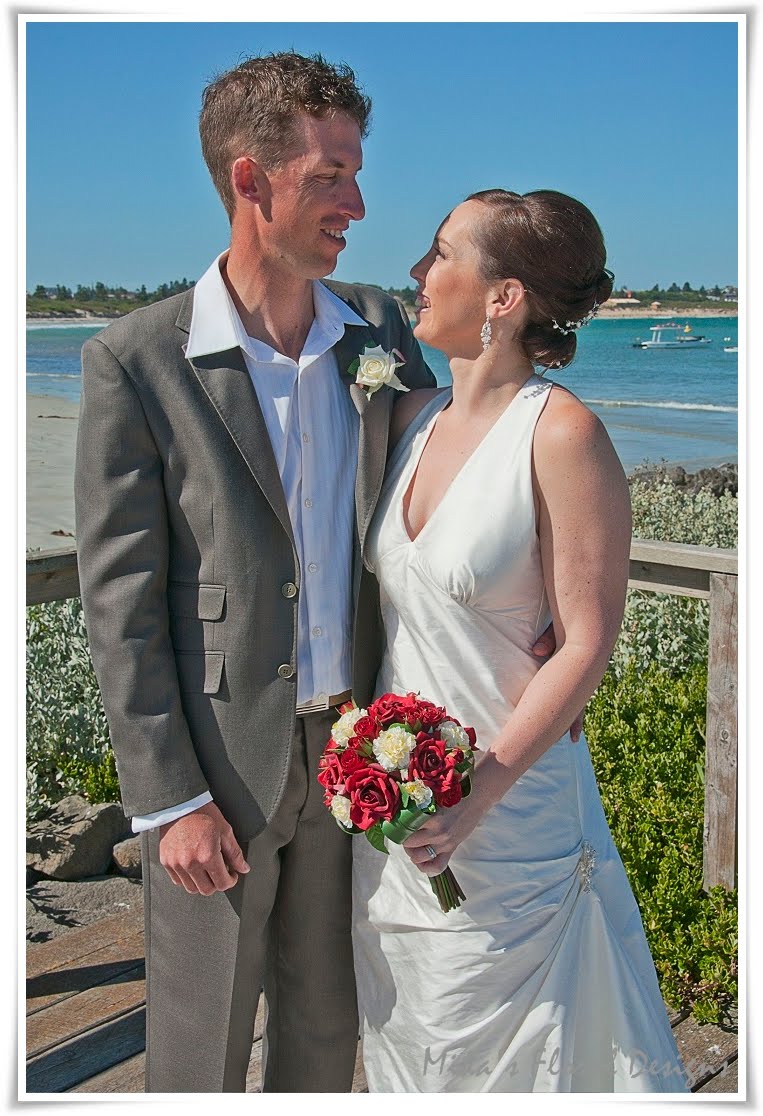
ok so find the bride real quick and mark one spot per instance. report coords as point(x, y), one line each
point(505, 507)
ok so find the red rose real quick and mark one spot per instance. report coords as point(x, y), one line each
point(368, 728)
point(350, 761)
point(392, 709)
point(374, 796)
point(449, 792)
point(431, 715)
point(432, 763)
point(331, 775)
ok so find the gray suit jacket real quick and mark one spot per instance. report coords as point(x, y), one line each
point(185, 550)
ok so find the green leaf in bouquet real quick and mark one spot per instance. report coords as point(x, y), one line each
point(375, 837)
point(405, 796)
point(466, 787)
point(352, 368)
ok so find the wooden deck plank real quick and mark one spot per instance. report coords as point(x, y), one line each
point(101, 967)
point(727, 1081)
point(705, 1049)
point(128, 1076)
point(75, 1015)
point(59, 1069)
point(66, 949)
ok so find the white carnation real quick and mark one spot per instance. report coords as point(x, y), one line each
point(393, 747)
point(343, 728)
point(340, 808)
point(419, 792)
point(453, 735)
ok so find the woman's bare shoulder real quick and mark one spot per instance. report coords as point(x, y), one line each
point(566, 419)
point(407, 406)
point(572, 446)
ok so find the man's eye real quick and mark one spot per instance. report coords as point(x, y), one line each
point(327, 177)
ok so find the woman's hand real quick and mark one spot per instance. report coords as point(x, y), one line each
point(443, 832)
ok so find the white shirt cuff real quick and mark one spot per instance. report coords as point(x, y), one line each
point(171, 813)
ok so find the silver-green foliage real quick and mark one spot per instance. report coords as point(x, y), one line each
point(661, 628)
point(68, 748)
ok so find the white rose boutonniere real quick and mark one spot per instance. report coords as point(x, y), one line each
point(375, 368)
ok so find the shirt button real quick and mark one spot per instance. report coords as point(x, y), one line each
point(317, 631)
point(286, 670)
point(305, 437)
point(308, 503)
point(289, 589)
point(312, 567)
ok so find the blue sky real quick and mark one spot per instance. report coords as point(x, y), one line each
point(639, 120)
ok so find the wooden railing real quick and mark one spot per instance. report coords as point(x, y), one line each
point(688, 571)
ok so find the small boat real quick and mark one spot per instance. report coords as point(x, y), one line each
point(679, 337)
point(731, 348)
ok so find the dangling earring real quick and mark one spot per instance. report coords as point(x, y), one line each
point(486, 334)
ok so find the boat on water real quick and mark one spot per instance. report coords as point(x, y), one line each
point(731, 348)
point(677, 337)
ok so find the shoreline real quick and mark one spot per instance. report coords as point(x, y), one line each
point(51, 435)
point(608, 312)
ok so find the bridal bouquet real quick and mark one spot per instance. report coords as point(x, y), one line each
point(388, 768)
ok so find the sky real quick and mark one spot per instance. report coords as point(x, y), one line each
point(637, 119)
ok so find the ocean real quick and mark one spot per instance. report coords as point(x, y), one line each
point(657, 405)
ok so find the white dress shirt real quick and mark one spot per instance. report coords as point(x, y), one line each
point(313, 428)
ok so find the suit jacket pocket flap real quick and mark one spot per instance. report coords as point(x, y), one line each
point(200, 672)
point(202, 602)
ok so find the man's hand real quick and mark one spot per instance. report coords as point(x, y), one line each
point(200, 852)
point(544, 647)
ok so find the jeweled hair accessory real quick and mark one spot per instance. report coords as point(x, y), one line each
point(570, 327)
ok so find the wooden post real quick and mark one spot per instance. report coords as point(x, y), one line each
point(719, 838)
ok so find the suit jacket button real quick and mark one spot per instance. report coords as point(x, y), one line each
point(286, 670)
point(289, 589)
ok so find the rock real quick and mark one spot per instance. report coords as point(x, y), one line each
point(719, 480)
point(75, 840)
point(127, 858)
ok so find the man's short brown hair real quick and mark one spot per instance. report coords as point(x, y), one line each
point(253, 109)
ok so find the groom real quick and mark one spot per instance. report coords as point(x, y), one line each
point(227, 470)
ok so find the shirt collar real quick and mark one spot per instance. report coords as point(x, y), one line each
point(216, 325)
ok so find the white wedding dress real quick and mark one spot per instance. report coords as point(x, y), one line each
point(542, 980)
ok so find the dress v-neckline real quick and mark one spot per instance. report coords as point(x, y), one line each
point(428, 430)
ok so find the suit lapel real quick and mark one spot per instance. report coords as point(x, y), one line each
point(226, 381)
point(374, 425)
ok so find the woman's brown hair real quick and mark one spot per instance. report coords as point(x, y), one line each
point(553, 244)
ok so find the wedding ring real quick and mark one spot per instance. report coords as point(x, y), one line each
point(431, 851)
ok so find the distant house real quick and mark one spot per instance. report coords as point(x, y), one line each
point(619, 303)
point(51, 292)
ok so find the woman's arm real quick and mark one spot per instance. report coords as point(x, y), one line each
point(584, 525)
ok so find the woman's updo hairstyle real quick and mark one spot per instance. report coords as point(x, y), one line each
point(552, 243)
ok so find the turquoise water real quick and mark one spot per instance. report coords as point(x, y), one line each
point(656, 404)
point(672, 404)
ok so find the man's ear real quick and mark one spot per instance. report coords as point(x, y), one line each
point(250, 182)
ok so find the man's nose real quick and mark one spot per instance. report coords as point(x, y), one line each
point(352, 203)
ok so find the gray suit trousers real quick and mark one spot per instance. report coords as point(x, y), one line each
point(284, 928)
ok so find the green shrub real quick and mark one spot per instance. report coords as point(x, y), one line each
point(68, 749)
point(646, 734)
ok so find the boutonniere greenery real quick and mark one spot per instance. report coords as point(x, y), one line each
point(374, 369)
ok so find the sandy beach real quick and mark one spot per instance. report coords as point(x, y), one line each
point(51, 435)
